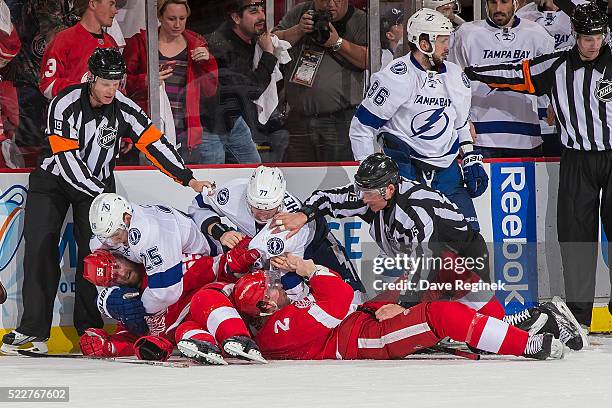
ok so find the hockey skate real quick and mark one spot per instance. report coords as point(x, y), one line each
point(543, 346)
point(243, 347)
point(13, 341)
point(531, 320)
point(201, 351)
point(563, 324)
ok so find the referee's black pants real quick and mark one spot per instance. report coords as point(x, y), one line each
point(49, 198)
point(582, 177)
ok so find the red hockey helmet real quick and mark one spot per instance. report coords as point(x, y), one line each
point(251, 293)
point(99, 268)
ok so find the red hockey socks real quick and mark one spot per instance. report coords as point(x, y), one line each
point(461, 323)
point(214, 311)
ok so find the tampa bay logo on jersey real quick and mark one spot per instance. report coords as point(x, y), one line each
point(223, 196)
point(275, 246)
point(430, 125)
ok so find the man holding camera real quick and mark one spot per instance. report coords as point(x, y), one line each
point(324, 81)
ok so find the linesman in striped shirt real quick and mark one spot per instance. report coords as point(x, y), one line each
point(405, 217)
point(579, 83)
point(85, 125)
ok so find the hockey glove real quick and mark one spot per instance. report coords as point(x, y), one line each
point(124, 304)
point(241, 258)
point(154, 348)
point(474, 174)
point(97, 342)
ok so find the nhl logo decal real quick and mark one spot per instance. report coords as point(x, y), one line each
point(603, 90)
point(275, 246)
point(107, 137)
point(134, 236)
point(223, 196)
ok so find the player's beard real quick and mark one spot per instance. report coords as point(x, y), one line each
point(501, 22)
point(438, 60)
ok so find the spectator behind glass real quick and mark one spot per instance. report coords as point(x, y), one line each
point(188, 72)
point(36, 22)
point(391, 34)
point(65, 60)
point(322, 101)
point(9, 47)
point(233, 44)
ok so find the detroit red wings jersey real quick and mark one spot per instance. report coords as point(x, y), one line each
point(64, 62)
point(9, 46)
point(315, 318)
point(198, 271)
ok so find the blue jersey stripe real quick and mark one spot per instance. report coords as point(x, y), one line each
point(502, 126)
point(167, 278)
point(367, 118)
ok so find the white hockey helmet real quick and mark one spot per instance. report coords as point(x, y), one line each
point(431, 23)
point(266, 188)
point(106, 214)
point(434, 4)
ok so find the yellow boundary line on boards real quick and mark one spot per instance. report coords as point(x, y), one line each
point(64, 339)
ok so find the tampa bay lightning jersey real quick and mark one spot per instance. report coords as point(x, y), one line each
point(501, 119)
point(229, 201)
point(426, 110)
point(158, 236)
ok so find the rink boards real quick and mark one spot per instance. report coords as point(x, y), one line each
point(517, 214)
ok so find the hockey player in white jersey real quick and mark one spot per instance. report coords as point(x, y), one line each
point(450, 9)
point(152, 235)
point(506, 123)
point(250, 204)
point(417, 107)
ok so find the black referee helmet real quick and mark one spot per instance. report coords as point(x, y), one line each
point(588, 19)
point(376, 171)
point(107, 63)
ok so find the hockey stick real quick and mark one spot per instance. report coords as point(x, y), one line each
point(459, 353)
point(175, 364)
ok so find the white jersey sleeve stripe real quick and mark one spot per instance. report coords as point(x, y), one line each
point(218, 316)
point(323, 317)
point(393, 337)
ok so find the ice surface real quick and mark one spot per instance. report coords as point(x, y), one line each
point(582, 380)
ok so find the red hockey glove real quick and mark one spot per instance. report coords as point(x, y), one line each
point(153, 348)
point(240, 259)
point(97, 342)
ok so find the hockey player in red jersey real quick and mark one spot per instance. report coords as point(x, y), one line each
point(64, 62)
point(323, 326)
point(178, 324)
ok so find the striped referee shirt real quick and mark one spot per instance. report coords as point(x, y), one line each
point(416, 215)
point(85, 141)
point(580, 92)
